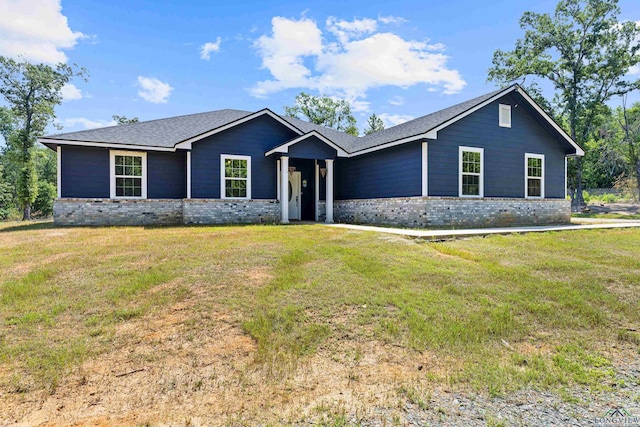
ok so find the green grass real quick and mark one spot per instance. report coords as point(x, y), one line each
point(505, 312)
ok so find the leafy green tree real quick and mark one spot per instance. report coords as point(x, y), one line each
point(324, 111)
point(6, 123)
point(46, 164)
point(31, 91)
point(6, 196)
point(43, 204)
point(626, 135)
point(124, 120)
point(374, 124)
point(585, 52)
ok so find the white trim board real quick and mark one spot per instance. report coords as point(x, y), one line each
point(579, 151)
point(425, 169)
point(59, 170)
point(188, 174)
point(104, 145)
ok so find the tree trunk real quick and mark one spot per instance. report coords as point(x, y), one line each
point(27, 213)
point(638, 177)
point(578, 200)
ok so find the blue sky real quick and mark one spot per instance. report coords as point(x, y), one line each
point(148, 59)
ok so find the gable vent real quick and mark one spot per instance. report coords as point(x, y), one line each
point(505, 116)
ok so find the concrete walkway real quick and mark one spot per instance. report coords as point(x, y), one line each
point(450, 234)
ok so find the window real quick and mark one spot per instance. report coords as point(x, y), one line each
point(128, 174)
point(504, 115)
point(534, 175)
point(471, 172)
point(235, 177)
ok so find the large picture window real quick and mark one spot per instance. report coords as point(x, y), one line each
point(235, 177)
point(471, 183)
point(534, 175)
point(128, 174)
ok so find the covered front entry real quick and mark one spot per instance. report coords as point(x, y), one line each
point(311, 154)
point(308, 186)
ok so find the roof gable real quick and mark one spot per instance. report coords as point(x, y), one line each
point(284, 148)
point(180, 132)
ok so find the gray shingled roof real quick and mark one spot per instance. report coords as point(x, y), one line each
point(341, 139)
point(420, 125)
point(166, 133)
point(156, 133)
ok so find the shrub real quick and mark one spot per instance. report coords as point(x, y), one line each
point(44, 202)
point(609, 198)
point(586, 196)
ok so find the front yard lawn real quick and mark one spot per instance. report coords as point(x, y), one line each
point(264, 323)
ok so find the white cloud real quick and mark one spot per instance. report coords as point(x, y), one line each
point(153, 90)
point(346, 30)
point(207, 48)
point(394, 119)
point(70, 92)
point(392, 20)
point(299, 55)
point(396, 100)
point(36, 30)
point(283, 52)
point(85, 123)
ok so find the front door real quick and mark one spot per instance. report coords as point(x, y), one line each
point(294, 195)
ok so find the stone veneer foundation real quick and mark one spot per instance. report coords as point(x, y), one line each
point(164, 211)
point(217, 211)
point(420, 212)
point(415, 212)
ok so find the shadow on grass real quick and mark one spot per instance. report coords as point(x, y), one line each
point(26, 226)
point(48, 224)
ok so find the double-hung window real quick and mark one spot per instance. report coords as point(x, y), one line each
point(471, 171)
point(534, 175)
point(128, 174)
point(235, 177)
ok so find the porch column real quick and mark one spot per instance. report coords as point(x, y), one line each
point(317, 185)
point(284, 189)
point(59, 170)
point(329, 198)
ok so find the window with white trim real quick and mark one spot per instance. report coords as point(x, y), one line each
point(534, 175)
point(471, 172)
point(235, 177)
point(128, 174)
point(504, 115)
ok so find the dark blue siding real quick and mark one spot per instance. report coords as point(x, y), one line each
point(504, 151)
point(166, 175)
point(394, 172)
point(85, 172)
point(312, 148)
point(252, 138)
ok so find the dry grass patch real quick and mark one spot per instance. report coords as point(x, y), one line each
point(273, 324)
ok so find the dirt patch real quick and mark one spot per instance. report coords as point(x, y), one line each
point(615, 208)
point(165, 370)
